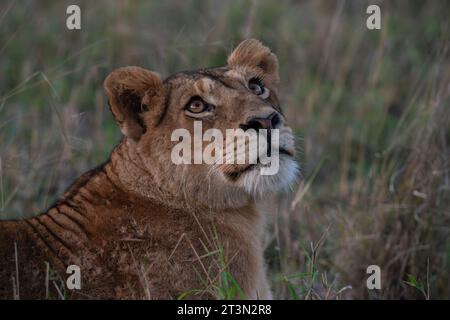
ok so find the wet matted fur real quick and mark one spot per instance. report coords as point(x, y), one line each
point(140, 226)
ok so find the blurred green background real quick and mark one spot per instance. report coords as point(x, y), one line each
point(370, 109)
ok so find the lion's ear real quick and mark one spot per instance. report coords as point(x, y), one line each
point(253, 53)
point(129, 91)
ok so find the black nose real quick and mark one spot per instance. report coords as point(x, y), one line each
point(268, 123)
point(257, 123)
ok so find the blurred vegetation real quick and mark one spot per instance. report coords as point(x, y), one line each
point(370, 109)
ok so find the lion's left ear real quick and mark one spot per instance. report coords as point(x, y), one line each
point(130, 92)
point(253, 53)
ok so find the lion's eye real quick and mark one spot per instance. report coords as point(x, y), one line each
point(256, 86)
point(196, 105)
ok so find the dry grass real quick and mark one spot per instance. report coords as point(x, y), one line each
point(371, 110)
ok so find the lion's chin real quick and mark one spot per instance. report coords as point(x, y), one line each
point(257, 184)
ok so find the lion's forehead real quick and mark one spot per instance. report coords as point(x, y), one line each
point(217, 86)
point(207, 78)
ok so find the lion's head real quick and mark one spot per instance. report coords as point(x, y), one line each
point(242, 95)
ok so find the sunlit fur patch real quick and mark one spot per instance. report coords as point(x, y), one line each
point(205, 88)
point(235, 74)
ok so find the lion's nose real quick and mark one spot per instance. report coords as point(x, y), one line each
point(258, 123)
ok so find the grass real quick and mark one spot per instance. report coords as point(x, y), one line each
point(370, 109)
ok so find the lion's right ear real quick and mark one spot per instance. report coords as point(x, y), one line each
point(130, 91)
point(253, 53)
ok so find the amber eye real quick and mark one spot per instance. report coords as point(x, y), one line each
point(198, 108)
point(196, 105)
point(256, 86)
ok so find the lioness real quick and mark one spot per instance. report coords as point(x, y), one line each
point(140, 226)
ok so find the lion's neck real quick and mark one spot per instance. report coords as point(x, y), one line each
point(153, 179)
point(144, 185)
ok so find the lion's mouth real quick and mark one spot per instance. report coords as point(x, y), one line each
point(236, 174)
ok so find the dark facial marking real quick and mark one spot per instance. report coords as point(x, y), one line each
point(167, 101)
point(134, 102)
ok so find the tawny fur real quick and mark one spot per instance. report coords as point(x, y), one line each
point(140, 226)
